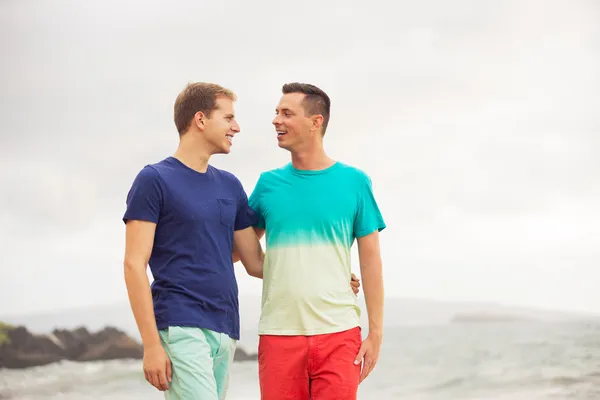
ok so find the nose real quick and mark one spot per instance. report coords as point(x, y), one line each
point(277, 120)
point(235, 127)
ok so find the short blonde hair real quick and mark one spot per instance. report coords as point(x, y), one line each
point(197, 96)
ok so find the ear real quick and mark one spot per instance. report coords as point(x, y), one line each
point(317, 122)
point(200, 120)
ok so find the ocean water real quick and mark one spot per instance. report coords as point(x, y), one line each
point(499, 361)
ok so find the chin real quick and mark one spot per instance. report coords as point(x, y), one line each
point(221, 150)
point(282, 144)
point(224, 148)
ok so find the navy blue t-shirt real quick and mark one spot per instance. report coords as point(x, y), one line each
point(196, 215)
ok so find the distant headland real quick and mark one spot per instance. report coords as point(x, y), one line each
point(488, 318)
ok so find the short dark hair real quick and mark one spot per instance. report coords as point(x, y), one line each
point(198, 96)
point(315, 102)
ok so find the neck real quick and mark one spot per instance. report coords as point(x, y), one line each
point(315, 159)
point(192, 154)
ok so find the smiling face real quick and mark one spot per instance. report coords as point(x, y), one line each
point(203, 113)
point(220, 128)
point(294, 127)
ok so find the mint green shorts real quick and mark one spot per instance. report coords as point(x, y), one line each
point(201, 361)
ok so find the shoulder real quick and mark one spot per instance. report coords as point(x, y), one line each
point(269, 179)
point(148, 174)
point(275, 173)
point(155, 177)
point(146, 185)
point(154, 173)
point(354, 175)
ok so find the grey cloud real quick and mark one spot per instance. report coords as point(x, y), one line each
point(477, 122)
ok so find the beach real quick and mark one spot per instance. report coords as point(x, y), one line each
point(490, 361)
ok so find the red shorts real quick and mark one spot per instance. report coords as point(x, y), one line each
point(319, 367)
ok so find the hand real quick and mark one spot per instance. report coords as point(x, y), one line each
point(157, 367)
point(369, 350)
point(355, 283)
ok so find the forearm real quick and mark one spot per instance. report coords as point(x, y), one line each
point(258, 270)
point(372, 277)
point(247, 248)
point(254, 265)
point(140, 299)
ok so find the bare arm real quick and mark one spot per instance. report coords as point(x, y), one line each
point(372, 275)
point(138, 247)
point(247, 248)
point(371, 270)
point(251, 265)
point(259, 234)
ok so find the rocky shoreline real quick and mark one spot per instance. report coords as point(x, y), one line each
point(20, 348)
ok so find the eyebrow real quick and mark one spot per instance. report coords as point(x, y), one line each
point(229, 116)
point(283, 110)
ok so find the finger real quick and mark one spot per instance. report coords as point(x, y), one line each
point(162, 380)
point(152, 379)
point(169, 371)
point(147, 376)
point(156, 380)
point(366, 369)
point(363, 373)
point(360, 355)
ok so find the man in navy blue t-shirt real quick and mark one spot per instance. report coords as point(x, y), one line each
point(183, 217)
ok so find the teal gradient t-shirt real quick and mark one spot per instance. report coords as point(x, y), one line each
point(312, 219)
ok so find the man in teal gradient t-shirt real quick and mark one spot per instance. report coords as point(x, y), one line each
point(312, 211)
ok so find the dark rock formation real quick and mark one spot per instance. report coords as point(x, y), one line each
point(240, 356)
point(21, 349)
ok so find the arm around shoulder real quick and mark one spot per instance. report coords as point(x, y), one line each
point(247, 248)
point(249, 214)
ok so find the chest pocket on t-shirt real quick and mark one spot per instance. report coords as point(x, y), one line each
point(227, 211)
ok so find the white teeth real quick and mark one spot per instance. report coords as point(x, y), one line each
point(229, 138)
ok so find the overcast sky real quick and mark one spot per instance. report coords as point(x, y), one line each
point(478, 123)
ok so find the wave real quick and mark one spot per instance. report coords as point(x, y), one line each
point(66, 376)
point(449, 384)
point(568, 380)
point(499, 382)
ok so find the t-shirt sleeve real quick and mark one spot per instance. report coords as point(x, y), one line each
point(255, 204)
point(245, 216)
point(368, 217)
point(145, 197)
